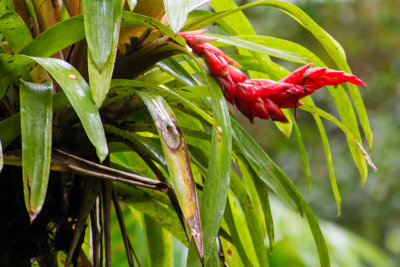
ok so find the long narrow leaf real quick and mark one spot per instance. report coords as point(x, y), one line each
point(79, 95)
point(328, 156)
point(99, 29)
point(100, 77)
point(289, 46)
point(253, 218)
point(56, 38)
point(259, 48)
point(234, 234)
point(237, 21)
point(130, 19)
point(216, 186)
point(172, 66)
point(36, 125)
point(258, 194)
point(242, 228)
point(254, 201)
point(265, 168)
point(364, 154)
point(263, 195)
point(319, 239)
point(177, 156)
point(302, 152)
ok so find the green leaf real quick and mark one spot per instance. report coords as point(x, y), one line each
point(259, 48)
point(36, 126)
point(253, 215)
point(265, 168)
point(362, 155)
point(242, 228)
point(176, 11)
point(99, 29)
point(229, 219)
point(238, 22)
point(6, 6)
point(285, 45)
point(56, 38)
point(174, 68)
point(302, 152)
point(159, 243)
point(147, 204)
point(319, 239)
point(216, 186)
point(177, 156)
point(328, 155)
point(79, 95)
point(100, 77)
point(257, 192)
point(130, 19)
point(262, 192)
point(15, 31)
point(349, 119)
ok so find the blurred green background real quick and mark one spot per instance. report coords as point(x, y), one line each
point(369, 31)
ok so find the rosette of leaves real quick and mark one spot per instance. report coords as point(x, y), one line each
point(108, 121)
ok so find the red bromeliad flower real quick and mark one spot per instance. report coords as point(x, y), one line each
point(262, 98)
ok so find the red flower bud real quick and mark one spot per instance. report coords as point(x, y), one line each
point(262, 98)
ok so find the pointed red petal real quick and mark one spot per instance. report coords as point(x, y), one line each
point(274, 111)
point(296, 75)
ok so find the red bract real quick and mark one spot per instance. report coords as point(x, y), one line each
point(262, 98)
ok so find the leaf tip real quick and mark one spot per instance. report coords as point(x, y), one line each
point(33, 214)
point(102, 152)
